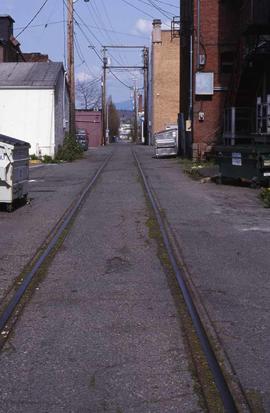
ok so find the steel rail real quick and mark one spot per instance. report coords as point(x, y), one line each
point(16, 298)
point(222, 386)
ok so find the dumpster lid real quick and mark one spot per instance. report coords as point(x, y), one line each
point(13, 141)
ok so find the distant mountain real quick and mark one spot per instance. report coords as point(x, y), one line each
point(125, 115)
point(126, 105)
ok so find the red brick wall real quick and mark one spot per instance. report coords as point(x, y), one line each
point(92, 122)
point(218, 34)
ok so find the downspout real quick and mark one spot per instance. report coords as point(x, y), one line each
point(190, 115)
point(64, 100)
point(198, 32)
point(191, 76)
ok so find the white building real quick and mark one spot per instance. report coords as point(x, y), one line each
point(34, 104)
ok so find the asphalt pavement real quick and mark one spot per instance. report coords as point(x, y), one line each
point(223, 233)
point(102, 332)
point(52, 188)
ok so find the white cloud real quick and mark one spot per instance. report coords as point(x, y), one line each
point(84, 76)
point(143, 26)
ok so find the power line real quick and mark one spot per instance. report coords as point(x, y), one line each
point(142, 11)
point(149, 3)
point(32, 26)
point(137, 8)
point(119, 80)
point(167, 4)
point(92, 46)
point(80, 54)
point(162, 11)
point(100, 17)
point(33, 18)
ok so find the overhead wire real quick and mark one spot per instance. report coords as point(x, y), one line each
point(33, 18)
point(121, 61)
point(149, 3)
point(32, 26)
point(81, 56)
point(167, 4)
point(161, 10)
point(113, 74)
point(91, 45)
point(143, 11)
point(137, 8)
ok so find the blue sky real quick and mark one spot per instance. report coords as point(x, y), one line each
point(99, 22)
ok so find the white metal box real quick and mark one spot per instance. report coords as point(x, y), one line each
point(14, 169)
point(166, 143)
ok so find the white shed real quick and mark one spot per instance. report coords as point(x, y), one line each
point(34, 104)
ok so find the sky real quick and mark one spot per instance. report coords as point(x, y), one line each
point(97, 23)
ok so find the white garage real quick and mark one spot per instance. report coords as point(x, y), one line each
point(34, 104)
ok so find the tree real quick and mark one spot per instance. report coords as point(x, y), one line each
point(113, 118)
point(88, 94)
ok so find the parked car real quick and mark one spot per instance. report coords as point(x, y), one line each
point(82, 139)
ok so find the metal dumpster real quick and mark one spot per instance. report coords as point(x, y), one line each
point(245, 162)
point(14, 170)
point(166, 142)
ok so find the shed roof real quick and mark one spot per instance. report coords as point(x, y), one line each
point(34, 75)
point(12, 141)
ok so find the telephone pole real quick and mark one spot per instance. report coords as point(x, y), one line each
point(70, 64)
point(146, 92)
point(104, 99)
point(135, 112)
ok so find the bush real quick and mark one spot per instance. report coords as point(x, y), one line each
point(70, 150)
point(265, 197)
point(34, 157)
point(47, 159)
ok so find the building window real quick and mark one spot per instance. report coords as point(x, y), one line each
point(226, 62)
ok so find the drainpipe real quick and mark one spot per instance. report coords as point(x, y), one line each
point(64, 101)
point(198, 32)
point(190, 115)
point(191, 76)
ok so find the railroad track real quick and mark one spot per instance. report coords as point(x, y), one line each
point(13, 302)
point(230, 393)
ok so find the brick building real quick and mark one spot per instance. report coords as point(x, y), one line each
point(164, 83)
point(91, 121)
point(35, 57)
point(10, 51)
point(226, 43)
point(9, 47)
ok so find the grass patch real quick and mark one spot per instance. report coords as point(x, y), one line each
point(193, 168)
point(265, 197)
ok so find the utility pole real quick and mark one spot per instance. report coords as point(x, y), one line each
point(70, 64)
point(135, 111)
point(146, 92)
point(104, 100)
